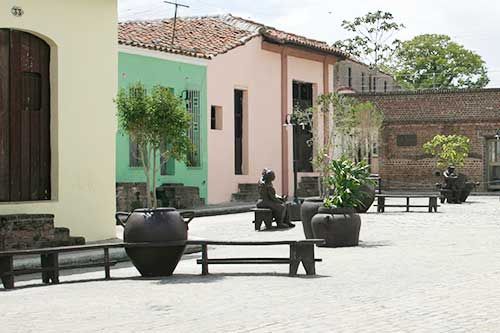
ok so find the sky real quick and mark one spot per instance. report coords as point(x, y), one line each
point(474, 24)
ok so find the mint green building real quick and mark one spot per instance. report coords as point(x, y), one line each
point(187, 77)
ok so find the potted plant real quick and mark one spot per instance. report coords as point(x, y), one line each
point(154, 119)
point(337, 221)
point(451, 151)
point(353, 129)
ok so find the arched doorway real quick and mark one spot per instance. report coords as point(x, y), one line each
point(24, 117)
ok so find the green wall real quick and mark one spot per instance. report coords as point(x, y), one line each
point(178, 76)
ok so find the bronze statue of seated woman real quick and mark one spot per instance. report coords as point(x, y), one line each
point(269, 199)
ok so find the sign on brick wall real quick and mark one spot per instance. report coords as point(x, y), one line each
point(406, 140)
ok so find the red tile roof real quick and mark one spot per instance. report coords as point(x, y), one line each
point(206, 37)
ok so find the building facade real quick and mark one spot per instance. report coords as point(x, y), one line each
point(354, 76)
point(256, 75)
point(413, 118)
point(187, 77)
point(57, 117)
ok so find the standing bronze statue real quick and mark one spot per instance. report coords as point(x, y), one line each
point(451, 184)
point(269, 199)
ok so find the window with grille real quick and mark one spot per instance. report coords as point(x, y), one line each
point(349, 77)
point(362, 82)
point(134, 154)
point(193, 107)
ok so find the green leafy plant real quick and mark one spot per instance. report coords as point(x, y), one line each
point(449, 149)
point(157, 121)
point(344, 182)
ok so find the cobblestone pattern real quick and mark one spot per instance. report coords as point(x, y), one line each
point(413, 272)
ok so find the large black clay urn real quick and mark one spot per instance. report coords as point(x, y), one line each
point(155, 226)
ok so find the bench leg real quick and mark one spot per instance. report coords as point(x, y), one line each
point(50, 260)
point(268, 221)
point(408, 204)
point(380, 204)
point(302, 253)
point(107, 270)
point(204, 259)
point(7, 267)
point(433, 204)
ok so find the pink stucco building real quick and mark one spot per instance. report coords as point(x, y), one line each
point(255, 76)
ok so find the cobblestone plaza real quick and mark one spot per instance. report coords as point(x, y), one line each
point(413, 272)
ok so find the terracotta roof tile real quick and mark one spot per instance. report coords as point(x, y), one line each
point(208, 36)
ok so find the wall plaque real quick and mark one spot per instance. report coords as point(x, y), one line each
point(406, 140)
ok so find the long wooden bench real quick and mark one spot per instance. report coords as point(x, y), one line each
point(301, 251)
point(432, 205)
point(49, 262)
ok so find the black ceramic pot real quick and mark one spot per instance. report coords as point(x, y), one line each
point(155, 225)
point(308, 209)
point(368, 191)
point(339, 227)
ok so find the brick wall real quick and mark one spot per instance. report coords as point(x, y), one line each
point(473, 113)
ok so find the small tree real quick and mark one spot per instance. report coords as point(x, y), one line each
point(449, 149)
point(157, 121)
point(353, 128)
point(373, 40)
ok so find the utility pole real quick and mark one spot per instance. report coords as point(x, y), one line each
point(175, 16)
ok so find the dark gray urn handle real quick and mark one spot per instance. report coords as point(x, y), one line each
point(189, 215)
point(121, 218)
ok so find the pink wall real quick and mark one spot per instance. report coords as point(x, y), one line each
point(257, 71)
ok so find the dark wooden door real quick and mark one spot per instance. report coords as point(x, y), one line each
point(238, 132)
point(24, 117)
point(302, 147)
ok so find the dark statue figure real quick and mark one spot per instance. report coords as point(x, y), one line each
point(451, 184)
point(269, 199)
point(455, 188)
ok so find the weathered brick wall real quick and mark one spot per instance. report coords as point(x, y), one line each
point(130, 196)
point(26, 231)
point(473, 113)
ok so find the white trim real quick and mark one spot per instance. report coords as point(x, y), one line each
point(162, 55)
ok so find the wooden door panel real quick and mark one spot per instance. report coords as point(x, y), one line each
point(28, 118)
point(4, 115)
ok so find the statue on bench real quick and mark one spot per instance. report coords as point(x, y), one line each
point(269, 199)
point(455, 188)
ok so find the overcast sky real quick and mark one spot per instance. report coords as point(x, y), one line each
point(474, 24)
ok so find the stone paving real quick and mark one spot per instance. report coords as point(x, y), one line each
point(414, 272)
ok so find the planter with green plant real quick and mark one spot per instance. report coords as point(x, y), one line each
point(451, 151)
point(337, 220)
point(353, 129)
point(154, 120)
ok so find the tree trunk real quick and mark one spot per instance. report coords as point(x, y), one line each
point(145, 158)
point(153, 183)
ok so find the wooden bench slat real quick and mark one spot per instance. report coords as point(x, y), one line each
point(411, 206)
point(60, 249)
point(17, 272)
point(250, 261)
point(258, 243)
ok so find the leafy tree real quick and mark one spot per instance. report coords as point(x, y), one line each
point(157, 121)
point(435, 61)
point(449, 149)
point(373, 39)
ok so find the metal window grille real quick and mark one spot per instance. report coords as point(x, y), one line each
point(193, 107)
